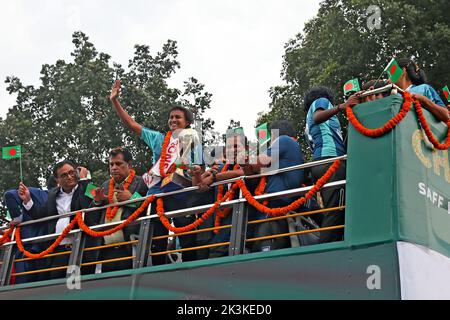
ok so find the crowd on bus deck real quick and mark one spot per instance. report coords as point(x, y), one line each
point(70, 186)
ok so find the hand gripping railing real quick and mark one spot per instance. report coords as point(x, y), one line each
point(390, 87)
point(142, 259)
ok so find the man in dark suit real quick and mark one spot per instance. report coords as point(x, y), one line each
point(69, 196)
point(127, 186)
point(18, 215)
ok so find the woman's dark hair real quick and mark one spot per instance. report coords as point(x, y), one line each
point(188, 115)
point(61, 164)
point(316, 93)
point(284, 127)
point(127, 157)
point(414, 72)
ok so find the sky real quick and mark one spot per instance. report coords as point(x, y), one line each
point(234, 47)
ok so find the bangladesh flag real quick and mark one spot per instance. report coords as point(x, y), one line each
point(394, 71)
point(263, 134)
point(11, 152)
point(90, 190)
point(183, 166)
point(446, 93)
point(351, 86)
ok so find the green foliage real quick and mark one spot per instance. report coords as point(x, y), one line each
point(69, 114)
point(337, 45)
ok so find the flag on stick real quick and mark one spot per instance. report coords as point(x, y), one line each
point(394, 71)
point(13, 152)
point(446, 93)
point(352, 86)
point(90, 190)
point(263, 134)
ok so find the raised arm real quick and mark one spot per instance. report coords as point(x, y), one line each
point(123, 115)
point(436, 110)
point(321, 115)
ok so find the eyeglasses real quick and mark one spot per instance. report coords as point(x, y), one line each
point(65, 175)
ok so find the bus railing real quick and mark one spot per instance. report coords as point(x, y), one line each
point(143, 254)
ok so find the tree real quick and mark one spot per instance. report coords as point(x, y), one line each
point(338, 44)
point(69, 115)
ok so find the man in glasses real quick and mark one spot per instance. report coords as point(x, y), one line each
point(70, 195)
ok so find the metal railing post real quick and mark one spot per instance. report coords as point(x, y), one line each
point(76, 255)
point(238, 229)
point(8, 262)
point(144, 244)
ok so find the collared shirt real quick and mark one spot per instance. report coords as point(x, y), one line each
point(63, 204)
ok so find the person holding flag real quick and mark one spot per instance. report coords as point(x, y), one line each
point(324, 133)
point(166, 151)
point(407, 75)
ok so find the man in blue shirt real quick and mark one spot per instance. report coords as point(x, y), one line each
point(283, 152)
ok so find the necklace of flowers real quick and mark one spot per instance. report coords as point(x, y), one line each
point(112, 211)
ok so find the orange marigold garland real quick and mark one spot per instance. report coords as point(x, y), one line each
point(162, 159)
point(50, 249)
point(426, 128)
point(196, 223)
point(220, 214)
point(6, 236)
point(276, 212)
point(112, 211)
point(131, 218)
point(388, 126)
point(261, 188)
point(406, 107)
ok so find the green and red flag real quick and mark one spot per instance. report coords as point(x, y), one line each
point(263, 133)
point(179, 164)
point(352, 86)
point(13, 152)
point(446, 93)
point(394, 71)
point(90, 190)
